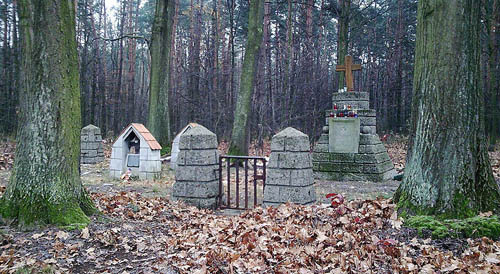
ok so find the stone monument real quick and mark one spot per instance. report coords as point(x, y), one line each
point(196, 176)
point(91, 149)
point(289, 176)
point(370, 162)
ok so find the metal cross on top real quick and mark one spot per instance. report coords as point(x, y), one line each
point(348, 67)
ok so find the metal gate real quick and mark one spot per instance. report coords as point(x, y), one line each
point(232, 190)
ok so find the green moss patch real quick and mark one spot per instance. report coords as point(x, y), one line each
point(473, 227)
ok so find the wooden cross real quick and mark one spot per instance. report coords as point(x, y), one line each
point(348, 67)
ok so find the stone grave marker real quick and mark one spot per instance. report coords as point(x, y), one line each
point(91, 149)
point(289, 175)
point(369, 163)
point(196, 176)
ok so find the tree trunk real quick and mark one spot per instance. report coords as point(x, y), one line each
point(239, 134)
point(159, 119)
point(492, 101)
point(45, 186)
point(448, 172)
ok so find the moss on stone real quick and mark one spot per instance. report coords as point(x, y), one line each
point(472, 227)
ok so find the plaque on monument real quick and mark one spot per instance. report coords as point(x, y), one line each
point(343, 135)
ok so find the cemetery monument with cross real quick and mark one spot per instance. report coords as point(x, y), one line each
point(349, 148)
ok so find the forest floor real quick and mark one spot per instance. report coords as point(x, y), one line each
point(143, 231)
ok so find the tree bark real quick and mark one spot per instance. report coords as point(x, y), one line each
point(492, 98)
point(239, 145)
point(159, 118)
point(45, 186)
point(447, 172)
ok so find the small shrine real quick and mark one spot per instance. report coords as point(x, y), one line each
point(349, 148)
point(136, 150)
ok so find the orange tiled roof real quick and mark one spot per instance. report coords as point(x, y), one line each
point(150, 139)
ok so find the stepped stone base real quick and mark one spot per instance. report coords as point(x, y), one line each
point(371, 163)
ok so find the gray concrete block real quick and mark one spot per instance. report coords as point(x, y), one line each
point(341, 157)
point(323, 139)
point(372, 148)
point(321, 148)
point(367, 113)
point(273, 160)
point(320, 157)
point(346, 176)
point(89, 153)
point(369, 139)
point(151, 166)
point(369, 129)
point(365, 104)
point(272, 193)
point(298, 195)
point(368, 121)
point(199, 157)
point(294, 160)
point(292, 139)
point(196, 173)
point(278, 144)
point(341, 167)
point(198, 137)
point(378, 168)
point(276, 176)
point(302, 177)
point(372, 158)
point(351, 95)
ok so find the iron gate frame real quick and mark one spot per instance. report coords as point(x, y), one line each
point(256, 177)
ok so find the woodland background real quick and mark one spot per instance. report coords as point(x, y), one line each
point(296, 66)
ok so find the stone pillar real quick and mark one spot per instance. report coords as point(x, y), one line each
point(91, 149)
point(289, 176)
point(196, 176)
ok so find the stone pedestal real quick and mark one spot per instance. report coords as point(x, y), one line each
point(370, 163)
point(91, 149)
point(289, 176)
point(196, 176)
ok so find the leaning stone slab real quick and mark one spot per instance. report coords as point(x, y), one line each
point(289, 177)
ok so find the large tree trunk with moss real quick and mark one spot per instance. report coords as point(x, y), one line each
point(447, 172)
point(159, 118)
point(239, 144)
point(344, 8)
point(45, 186)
